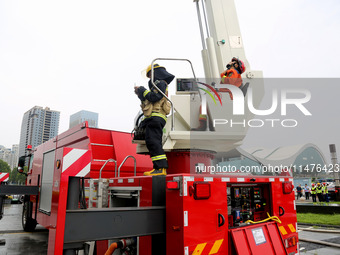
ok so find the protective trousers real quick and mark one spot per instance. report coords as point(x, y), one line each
point(153, 138)
point(314, 197)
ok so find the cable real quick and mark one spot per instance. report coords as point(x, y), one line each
point(111, 249)
point(274, 218)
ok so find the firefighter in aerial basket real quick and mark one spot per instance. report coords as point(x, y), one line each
point(155, 108)
point(232, 76)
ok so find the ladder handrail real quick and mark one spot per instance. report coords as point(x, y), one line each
point(135, 165)
point(152, 76)
point(107, 161)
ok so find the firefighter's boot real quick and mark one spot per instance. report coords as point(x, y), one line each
point(155, 172)
point(202, 126)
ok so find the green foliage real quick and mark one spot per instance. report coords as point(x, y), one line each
point(313, 218)
point(4, 167)
point(16, 177)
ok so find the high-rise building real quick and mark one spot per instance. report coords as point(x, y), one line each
point(10, 156)
point(4, 153)
point(38, 126)
point(15, 156)
point(80, 117)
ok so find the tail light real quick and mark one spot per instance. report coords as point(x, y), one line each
point(287, 187)
point(200, 190)
point(172, 185)
point(290, 242)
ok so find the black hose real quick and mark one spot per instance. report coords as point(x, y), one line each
point(82, 198)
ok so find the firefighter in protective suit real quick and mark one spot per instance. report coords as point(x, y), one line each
point(155, 107)
point(232, 75)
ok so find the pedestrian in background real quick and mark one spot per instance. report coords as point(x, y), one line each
point(325, 192)
point(307, 191)
point(313, 193)
point(319, 192)
point(298, 192)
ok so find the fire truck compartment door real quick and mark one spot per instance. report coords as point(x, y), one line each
point(258, 239)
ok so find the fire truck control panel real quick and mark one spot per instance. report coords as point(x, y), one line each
point(186, 86)
point(247, 202)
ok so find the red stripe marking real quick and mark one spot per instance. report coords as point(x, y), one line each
point(78, 165)
point(4, 178)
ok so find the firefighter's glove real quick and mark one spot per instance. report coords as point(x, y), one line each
point(136, 89)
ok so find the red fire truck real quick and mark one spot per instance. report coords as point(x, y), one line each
point(81, 195)
point(86, 186)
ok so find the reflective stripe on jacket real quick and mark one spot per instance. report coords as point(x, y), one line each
point(313, 190)
point(324, 190)
point(318, 189)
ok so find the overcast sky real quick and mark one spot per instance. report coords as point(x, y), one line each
point(88, 55)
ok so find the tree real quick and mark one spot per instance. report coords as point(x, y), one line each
point(16, 177)
point(4, 167)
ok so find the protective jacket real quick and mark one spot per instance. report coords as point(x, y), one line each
point(233, 77)
point(324, 190)
point(153, 102)
point(313, 190)
point(319, 189)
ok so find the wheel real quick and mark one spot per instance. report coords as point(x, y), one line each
point(28, 223)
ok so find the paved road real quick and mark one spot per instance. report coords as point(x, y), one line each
point(19, 242)
point(318, 249)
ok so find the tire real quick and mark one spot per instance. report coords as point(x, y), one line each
point(28, 223)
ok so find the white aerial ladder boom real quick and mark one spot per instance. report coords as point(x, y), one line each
point(221, 33)
point(221, 41)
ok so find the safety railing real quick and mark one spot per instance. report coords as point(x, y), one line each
point(135, 165)
point(152, 77)
point(107, 161)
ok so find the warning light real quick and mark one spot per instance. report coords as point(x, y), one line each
point(58, 164)
point(201, 190)
point(176, 228)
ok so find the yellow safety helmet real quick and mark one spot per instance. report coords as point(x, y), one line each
point(148, 69)
point(318, 183)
